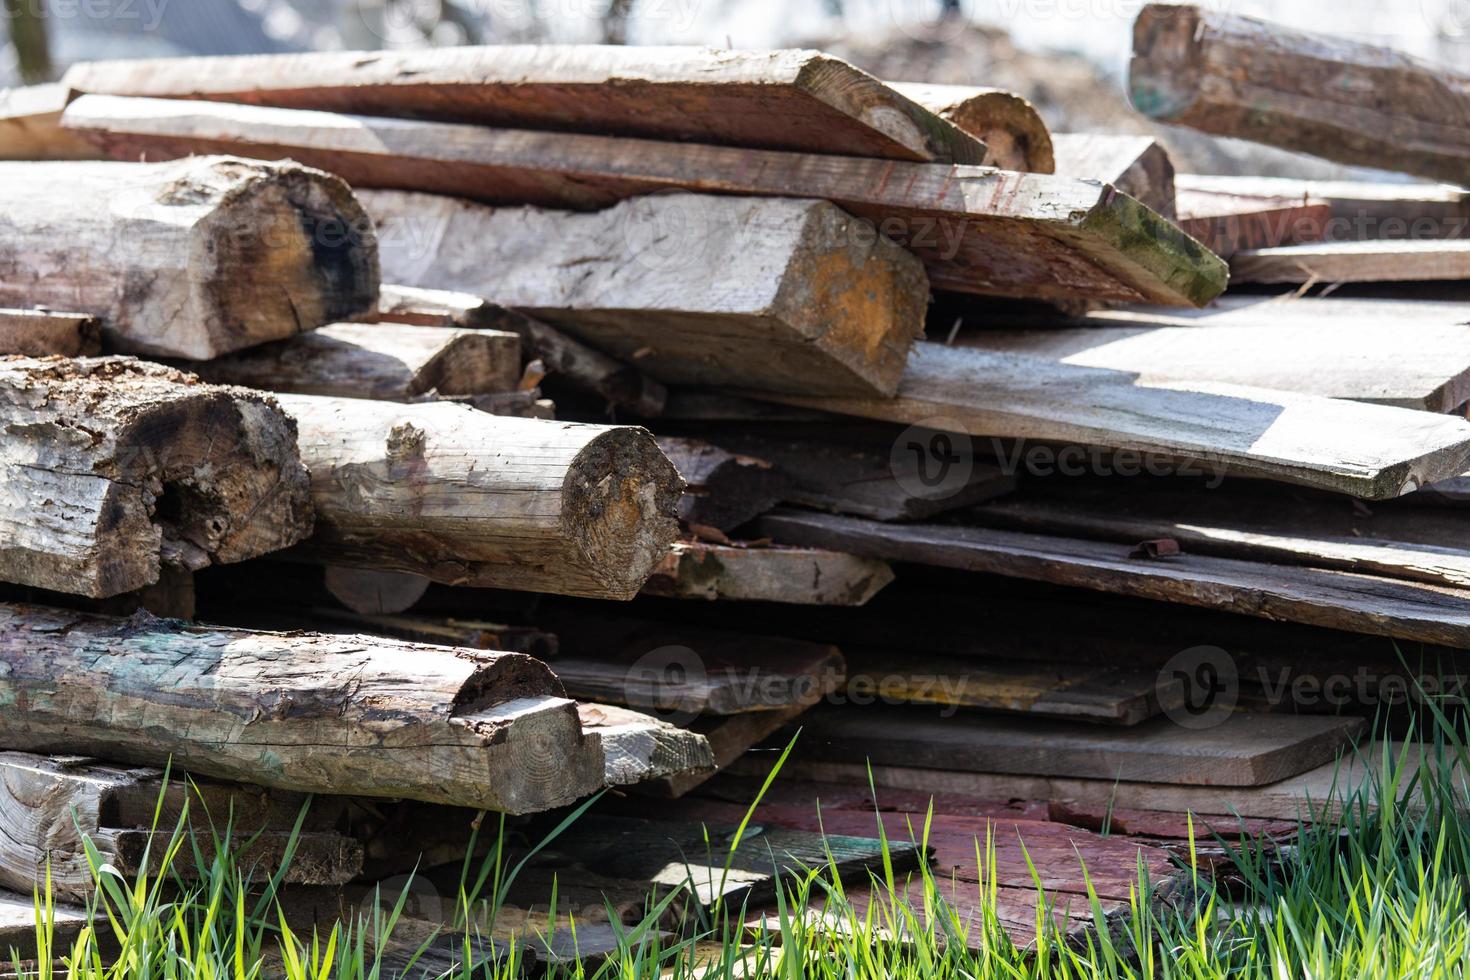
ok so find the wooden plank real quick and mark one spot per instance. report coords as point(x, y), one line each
point(1315, 93)
point(1052, 689)
point(1371, 261)
point(113, 468)
point(1013, 132)
point(1317, 597)
point(460, 727)
point(1230, 223)
point(977, 230)
point(381, 361)
point(1371, 451)
point(189, 259)
point(786, 99)
point(692, 289)
point(638, 747)
point(41, 333)
point(855, 477)
point(18, 931)
point(30, 126)
point(722, 489)
point(1136, 165)
point(560, 354)
point(467, 498)
point(1242, 750)
point(1360, 209)
point(729, 738)
point(801, 576)
point(1407, 354)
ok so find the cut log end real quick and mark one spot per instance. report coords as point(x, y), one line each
point(623, 496)
point(543, 757)
point(1164, 76)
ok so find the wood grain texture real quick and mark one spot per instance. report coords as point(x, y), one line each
point(382, 361)
point(638, 747)
point(800, 576)
point(467, 498)
point(1013, 132)
point(113, 467)
point(42, 333)
point(693, 289)
point(189, 259)
point(1372, 261)
point(30, 126)
point(1244, 750)
point(786, 99)
point(722, 489)
point(1371, 451)
point(729, 738)
point(978, 230)
point(348, 716)
point(1360, 209)
point(1313, 93)
point(1409, 354)
point(1317, 597)
point(1139, 166)
point(1229, 223)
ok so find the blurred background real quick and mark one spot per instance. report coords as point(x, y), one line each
point(1069, 57)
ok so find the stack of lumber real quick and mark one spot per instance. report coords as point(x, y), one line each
point(563, 418)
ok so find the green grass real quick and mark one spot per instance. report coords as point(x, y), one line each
point(1367, 892)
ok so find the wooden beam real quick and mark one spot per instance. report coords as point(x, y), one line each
point(382, 361)
point(113, 467)
point(978, 230)
point(785, 100)
point(42, 333)
point(1013, 132)
point(729, 738)
point(1371, 451)
point(722, 489)
point(560, 354)
point(467, 498)
point(1230, 223)
point(1360, 209)
point(800, 576)
point(1371, 261)
point(1243, 750)
point(1410, 354)
point(1313, 93)
point(638, 747)
point(191, 259)
point(30, 126)
point(459, 727)
point(773, 293)
point(1139, 166)
point(1317, 597)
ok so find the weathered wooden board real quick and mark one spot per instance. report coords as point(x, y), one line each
point(1052, 689)
point(1370, 261)
point(722, 489)
point(1317, 597)
point(560, 354)
point(30, 126)
point(782, 294)
point(1360, 209)
point(729, 737)
point(786, 99)
point(41, 333)
point(113, 468)
point(1136, 165)
point(466, 728)
point(1371, 451)
point(1241, 750)
point(1344, 100)
point(638, 747)
point(860, 479)
point(1408, 354)
point(801, 576)
point(467, 498)
point(1228, 223)
point(977, 229)
point(1013, 132)
point(381, 361)
point(18, 931)
point(190, 259)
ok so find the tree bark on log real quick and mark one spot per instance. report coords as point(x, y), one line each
point(1313, 93)
point(190, 259)
point(466, 498)
point(355, 715)
point(381, 361)
point(110, 466)
point(784, 294)
point(1013, 132)
point(42, 333)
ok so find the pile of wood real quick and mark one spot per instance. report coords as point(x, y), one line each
point(557, 419)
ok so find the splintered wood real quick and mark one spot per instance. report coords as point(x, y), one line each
point(113, 467)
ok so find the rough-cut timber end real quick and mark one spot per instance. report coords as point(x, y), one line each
point(195, 474)
point(278, 225)
point(624, 501)
point(1149, 248)
point(1164, 74)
